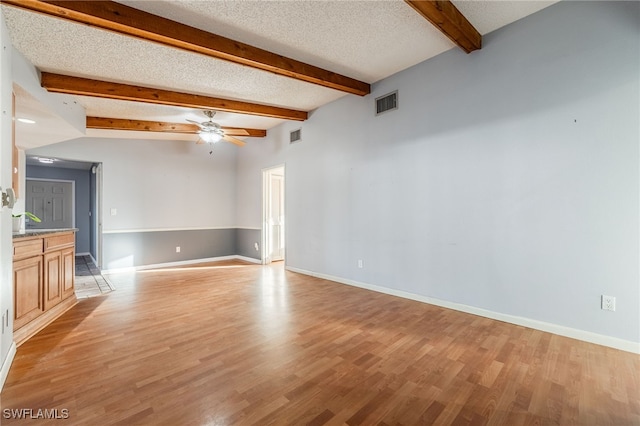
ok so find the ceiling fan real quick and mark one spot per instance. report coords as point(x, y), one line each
point(211, 132)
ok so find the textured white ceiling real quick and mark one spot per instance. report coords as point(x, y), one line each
point(366, 40)
point(89, 52)
point(142, 111)
point(487, 16)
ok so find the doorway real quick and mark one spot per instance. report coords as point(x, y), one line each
point(273, 214)
point(86, 208)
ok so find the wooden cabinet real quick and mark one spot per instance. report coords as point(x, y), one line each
point(43, 279)
point(27, 279)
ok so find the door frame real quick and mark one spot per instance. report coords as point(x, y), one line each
point(97, 219)
point(267, 174)
point(73, 195)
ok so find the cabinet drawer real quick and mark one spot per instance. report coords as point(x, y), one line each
point(29, 248)
point(51, 243)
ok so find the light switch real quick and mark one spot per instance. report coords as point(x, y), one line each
point(114, 212)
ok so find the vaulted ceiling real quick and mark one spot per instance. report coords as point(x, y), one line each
point(256, 62)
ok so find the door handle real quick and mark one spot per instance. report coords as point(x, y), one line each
point(8, 198)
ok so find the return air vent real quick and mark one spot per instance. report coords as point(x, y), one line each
point(387, 102)
point(295, 136)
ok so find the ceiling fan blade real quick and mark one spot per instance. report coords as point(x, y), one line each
point(235, 131)
point(233, 140)
point(196, 123)
point(200, 141)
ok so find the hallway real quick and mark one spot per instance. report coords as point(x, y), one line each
point(89, 282)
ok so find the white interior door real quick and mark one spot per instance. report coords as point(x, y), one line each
point(7, 347)
point(273, 210)
point(276, 218)
point(52, 201)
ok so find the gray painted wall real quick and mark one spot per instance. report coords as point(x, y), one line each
point(245, 243)
point(507, 180)
point(82, 198)
point(130, 249)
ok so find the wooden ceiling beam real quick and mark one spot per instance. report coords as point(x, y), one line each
point(58, 83)
point(450, 21)
point(165, 127)
point(126, 20)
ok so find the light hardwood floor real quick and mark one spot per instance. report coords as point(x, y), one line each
point(237, 344)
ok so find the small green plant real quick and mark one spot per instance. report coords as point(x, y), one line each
point(30, 215)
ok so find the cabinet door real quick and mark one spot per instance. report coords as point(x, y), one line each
point(27, 282)
point(52, 279)
point(68, 266)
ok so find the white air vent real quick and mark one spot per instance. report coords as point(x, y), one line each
point(387, 102)
point(295, 136)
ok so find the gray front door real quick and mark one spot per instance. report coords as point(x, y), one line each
point(52, 202)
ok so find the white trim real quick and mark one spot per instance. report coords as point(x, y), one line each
point(249, 259)
point(6, 365)
point(96, 223)
point(98, 216)
point(250, 228)
point(587, 336)
point(180, 263)
point(127, 231)
point(47, 179)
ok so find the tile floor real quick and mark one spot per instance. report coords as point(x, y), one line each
point(89, 281)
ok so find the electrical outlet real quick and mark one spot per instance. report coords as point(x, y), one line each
point(608, 303)
point(257, 246)
point(177, 249)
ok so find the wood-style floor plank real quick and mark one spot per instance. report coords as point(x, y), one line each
point(236, 343)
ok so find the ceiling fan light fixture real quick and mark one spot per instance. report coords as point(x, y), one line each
point(209, 137)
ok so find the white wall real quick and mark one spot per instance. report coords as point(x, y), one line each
point(508, 180)
point(158, 184)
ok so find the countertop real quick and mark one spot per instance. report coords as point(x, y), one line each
point(38, 232)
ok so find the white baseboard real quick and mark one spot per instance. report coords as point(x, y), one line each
point(180, 263)
point(6, 365)
point(587, 336)
point(249, 259)
point(84, 254)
